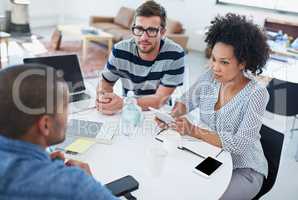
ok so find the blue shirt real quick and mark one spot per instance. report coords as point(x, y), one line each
point(27, 172)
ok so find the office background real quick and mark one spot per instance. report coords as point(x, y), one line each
point(195, 16)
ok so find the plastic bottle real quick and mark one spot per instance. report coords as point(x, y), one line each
point(285, 40)
point(131, 116)
point(282, 40)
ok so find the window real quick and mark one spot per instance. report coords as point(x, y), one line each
point(277, 5)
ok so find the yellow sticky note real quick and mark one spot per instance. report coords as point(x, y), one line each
point(80, 145)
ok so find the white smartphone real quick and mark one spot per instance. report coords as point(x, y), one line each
point(163, 116)
point(207, 167)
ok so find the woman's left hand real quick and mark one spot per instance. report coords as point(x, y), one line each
point(183, 126)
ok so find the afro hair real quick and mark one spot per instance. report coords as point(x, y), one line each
point(247, 39)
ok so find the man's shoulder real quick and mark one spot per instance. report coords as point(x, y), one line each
point(170, 45)
point(79, 184)
point(53, 179)
point(125, 45)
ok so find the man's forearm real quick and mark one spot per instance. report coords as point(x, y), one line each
point(158, 99)
point(154, 101)
point(104, 86)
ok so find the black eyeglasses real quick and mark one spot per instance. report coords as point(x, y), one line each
point(139, 31)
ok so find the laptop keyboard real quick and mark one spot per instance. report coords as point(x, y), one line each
point(78, 97)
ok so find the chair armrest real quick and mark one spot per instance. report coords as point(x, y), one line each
point(96, 19)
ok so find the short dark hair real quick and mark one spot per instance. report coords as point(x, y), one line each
point(28, 84)
point(247, 39)
point(151, 8)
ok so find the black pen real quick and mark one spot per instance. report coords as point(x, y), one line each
point(190, 151)
point(159, 139)
point(219, 153)
point(162, 130)
point(71, 152)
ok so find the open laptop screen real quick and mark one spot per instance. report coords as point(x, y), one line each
point(70, 66)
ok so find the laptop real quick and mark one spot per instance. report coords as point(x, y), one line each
point(70, 66)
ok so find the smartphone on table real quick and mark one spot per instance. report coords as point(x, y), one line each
point(123, 186)
point(207, 167)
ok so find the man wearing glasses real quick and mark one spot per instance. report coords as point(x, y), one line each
point(148, 64)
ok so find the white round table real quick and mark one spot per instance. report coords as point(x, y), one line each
point(129, 156)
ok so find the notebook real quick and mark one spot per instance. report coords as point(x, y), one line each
point(198, 146)
point(81, 134)
point(202, 148)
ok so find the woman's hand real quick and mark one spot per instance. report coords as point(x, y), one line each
point(178, 110)
point(161, 124)
point(183, 126)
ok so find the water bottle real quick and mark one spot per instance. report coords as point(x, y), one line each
point(131, 116)
point(282, 40)
point(285, 40)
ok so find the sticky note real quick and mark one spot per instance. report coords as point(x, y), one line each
point(80, 145)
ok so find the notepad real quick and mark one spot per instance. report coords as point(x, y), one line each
point(202, 148)
point(198, 146)
point(80, 145)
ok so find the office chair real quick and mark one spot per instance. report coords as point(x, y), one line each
point(272, 142)
point(283, 99)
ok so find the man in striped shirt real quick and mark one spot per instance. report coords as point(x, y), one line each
point(148, 64)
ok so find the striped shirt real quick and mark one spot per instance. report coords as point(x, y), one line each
point(141, 76)
point(237, 123)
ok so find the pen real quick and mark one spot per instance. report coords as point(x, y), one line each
point(71, 152)
point(159, 139)
point(162, 130)
point(190, 151)
point(219, 153)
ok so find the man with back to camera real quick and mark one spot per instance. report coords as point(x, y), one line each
point(148, 64)
point(34, 116)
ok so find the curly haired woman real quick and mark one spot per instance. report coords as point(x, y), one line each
point(230, 101)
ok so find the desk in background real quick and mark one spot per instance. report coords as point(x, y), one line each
point(285, 71)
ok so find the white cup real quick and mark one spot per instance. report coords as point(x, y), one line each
point(171, 141)
point(156, 159)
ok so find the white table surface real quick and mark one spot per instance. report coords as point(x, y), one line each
point(283, 71)
point(129, 156)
